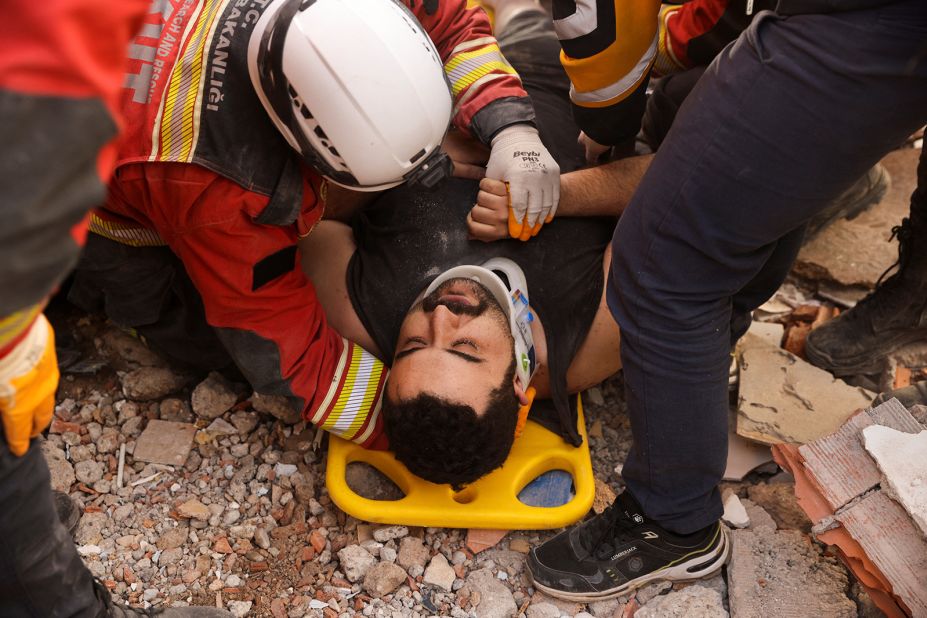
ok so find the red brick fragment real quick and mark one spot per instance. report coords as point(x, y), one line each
point(317, 541)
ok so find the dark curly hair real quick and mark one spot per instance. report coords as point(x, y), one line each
point(446, 442)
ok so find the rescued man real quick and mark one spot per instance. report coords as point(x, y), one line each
point(220, 173)
point(403, 280)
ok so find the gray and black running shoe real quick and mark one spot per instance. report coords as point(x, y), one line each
point(621, 550)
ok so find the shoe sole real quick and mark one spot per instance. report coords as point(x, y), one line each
point(870, 364)
point(697, 568)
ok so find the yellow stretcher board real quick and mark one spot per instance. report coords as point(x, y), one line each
point(491, 502)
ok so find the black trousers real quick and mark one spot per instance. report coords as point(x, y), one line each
point(782, 122)
point(41, 573)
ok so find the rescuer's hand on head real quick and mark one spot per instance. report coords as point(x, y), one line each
point(519, 159)
point(28, 380)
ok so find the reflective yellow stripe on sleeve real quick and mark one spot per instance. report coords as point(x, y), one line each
point(13, 325)
point(466, 67)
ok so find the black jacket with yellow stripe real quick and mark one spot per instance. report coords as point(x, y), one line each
point(610, 47)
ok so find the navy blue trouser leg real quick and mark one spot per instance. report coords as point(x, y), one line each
point(783, 121)
point(41, 574)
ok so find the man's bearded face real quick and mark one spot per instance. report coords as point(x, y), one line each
point(455, 343)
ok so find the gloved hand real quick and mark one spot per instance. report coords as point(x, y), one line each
point(28, 380)
point(519, 159)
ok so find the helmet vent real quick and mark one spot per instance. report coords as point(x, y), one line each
point(418, 155)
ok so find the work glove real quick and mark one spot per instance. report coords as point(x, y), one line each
point(531, 175)
point(28, 380)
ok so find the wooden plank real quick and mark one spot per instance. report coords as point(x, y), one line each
point(893, 544)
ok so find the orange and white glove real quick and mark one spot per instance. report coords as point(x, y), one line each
point(28, 380)
point(520, 160)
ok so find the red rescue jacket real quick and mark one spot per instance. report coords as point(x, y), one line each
point(203, 170)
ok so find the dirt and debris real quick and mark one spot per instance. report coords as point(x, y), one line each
point(245, 519)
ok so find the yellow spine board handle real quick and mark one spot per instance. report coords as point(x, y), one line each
point(490, 502)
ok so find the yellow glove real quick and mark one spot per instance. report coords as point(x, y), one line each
point(28, 380)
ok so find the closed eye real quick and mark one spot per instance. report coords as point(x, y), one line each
point(419, 344)
point(466, 342)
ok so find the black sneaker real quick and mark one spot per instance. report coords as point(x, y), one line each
point(621, 550)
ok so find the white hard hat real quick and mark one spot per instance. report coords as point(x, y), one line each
point(356, 87)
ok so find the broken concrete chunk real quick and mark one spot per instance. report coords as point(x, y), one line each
point(368, 482)
point(734, 512)
point(770, 332)
point(277, 406)
point(355, 562)
point(784, 399)
point(779, 501)
point(690, 602)
point(902, 457)
point(194, 509)
point(165, 442)
point(759, 518)
point(781, 574)
point(146, 383)
point(383, 534)
point(221, 427)
point(213, 396)
point(131, 349)
point(383, 578)
point(412, 552)
point(62, 472)
point(440, 573)
point(496, 600)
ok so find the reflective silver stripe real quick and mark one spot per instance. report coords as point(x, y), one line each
point(584, 21)
point(623, 85)
point(486, 40)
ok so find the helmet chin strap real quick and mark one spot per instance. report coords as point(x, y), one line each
point(505, 280)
